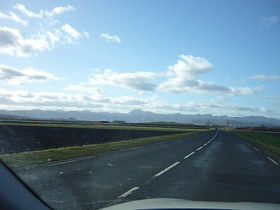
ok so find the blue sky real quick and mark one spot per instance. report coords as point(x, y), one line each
point(216, 57)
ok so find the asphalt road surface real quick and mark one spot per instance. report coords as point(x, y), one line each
point(208, 166)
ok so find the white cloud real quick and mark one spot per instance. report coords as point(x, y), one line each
point(53, 37)
point(22, 8)
point(110, 38)
point(59, 10)
point(244, 91)
point(85, 89)
point(188, 66)
point(182, 75)
point(73, 33)
point(13, 17)
point(19, 99)
point(11, 75)
point(43, 13)
point(129, 100)
point(12, 43)
point(54, 100)
point(265, 77)
point(182, 78)
point(269, 20)
point(48, 31)
point(141, 81)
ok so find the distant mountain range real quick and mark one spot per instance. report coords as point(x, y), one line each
point(139, 116)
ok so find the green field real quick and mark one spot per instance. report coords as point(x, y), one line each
point(97, 126)
point(267, 140)
point(64, 153)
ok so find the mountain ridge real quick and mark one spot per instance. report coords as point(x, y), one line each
point(139, 116)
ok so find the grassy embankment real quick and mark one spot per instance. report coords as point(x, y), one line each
point(266, 140)
point(64, 153)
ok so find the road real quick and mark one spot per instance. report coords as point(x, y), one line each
point(208, 166)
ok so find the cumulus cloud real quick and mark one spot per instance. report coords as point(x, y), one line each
point(22, 8)
point(12, 43)
point(269, 20)
point(183, 74)
point(16, 76)
point(244, 91)
point(85, 89)
point(43, 13)
point(110, 38)
point(189, 66)
point(13, 17)
point(179, 78)
point(53, 100)
point(141, 81)
point(73, 33)
point(182, 78)
point(19, 99)
point(59, 10)
point(49, 33)
point(74, 101)
point(129, 100)
point(265, 77)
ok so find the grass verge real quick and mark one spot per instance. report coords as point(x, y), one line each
point(64, 153)
point(267, 141)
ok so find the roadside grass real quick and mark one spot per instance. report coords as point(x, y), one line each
point(110, 127)
point(58, 154)
point(267, 141)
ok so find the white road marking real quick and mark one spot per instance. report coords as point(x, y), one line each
point(189, 155)
point(128, 192)
point(205, 144)
point(273, 161)
point(69, 161)
point(256, 149)
point(198, 148)
point(167, 169)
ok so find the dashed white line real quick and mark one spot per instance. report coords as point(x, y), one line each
point(256, 149)
point(158, 174)
point(167, 169)
point(273, 161)
point(69, 161)
point(198, 148)
point(128, 192)
point(189, 155)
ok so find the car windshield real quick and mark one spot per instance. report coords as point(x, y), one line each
point(104, 102)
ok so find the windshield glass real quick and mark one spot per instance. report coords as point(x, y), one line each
point(104, 102)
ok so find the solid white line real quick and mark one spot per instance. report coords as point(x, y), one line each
point(128, 192)
point(198, 148)
point(189, 155)
point(205, 144)
point(256, 149)
point(167, 169)
point(273, 161)
point(69, 161)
